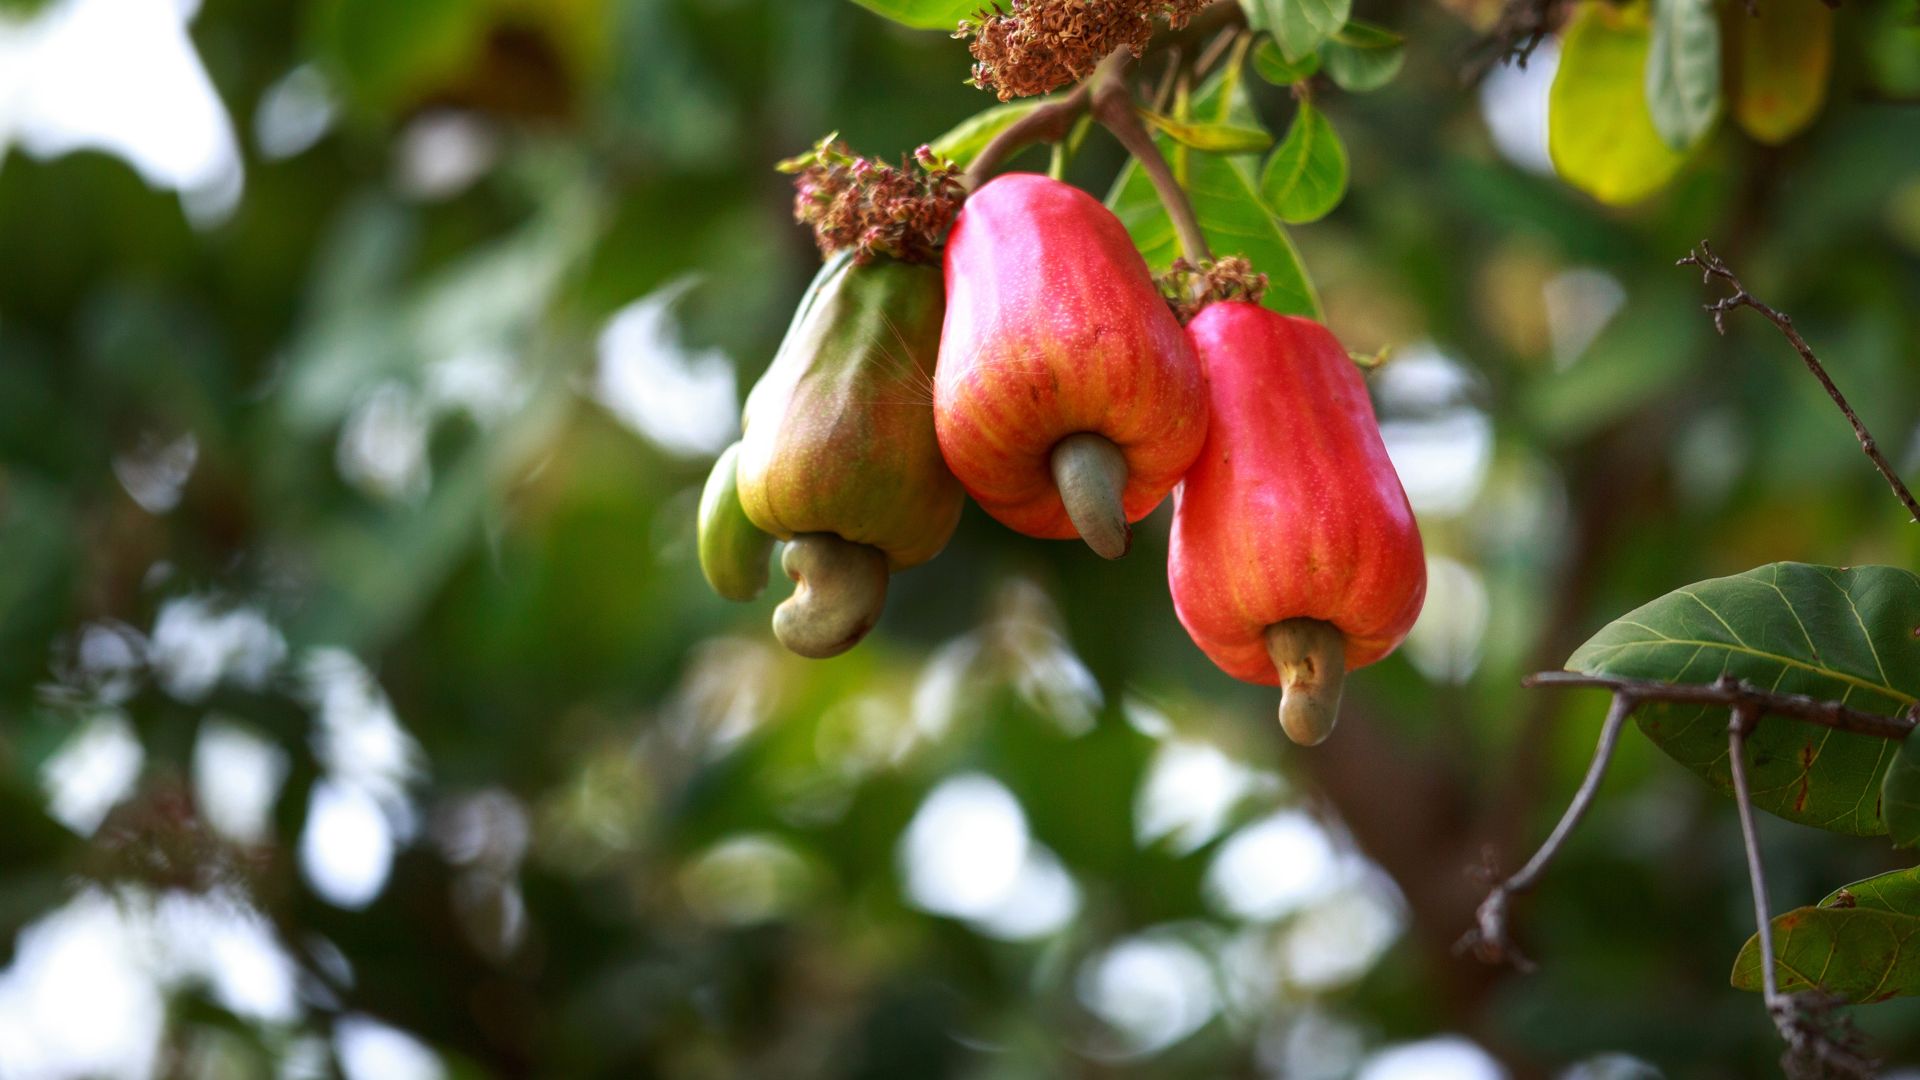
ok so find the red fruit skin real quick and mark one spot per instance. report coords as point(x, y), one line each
point(1054, 327)
point(1293, 509)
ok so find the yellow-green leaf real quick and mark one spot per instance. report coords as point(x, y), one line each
point(1778, 62)
point(1599, 132)
point(1211, 138)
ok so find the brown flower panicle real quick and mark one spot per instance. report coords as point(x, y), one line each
point(872, 207)
point(1189, 288)
point(1037, 46)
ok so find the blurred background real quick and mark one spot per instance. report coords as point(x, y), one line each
point(363, 711)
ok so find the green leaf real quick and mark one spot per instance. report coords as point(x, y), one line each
point(1363, 57)
point(1900, 795)
point(1211, 138)
point(1226, 198)
point(1307, 174)
point(1897, 891)
point(1599, 132)
point(1777, 68)
point(924, 14)
point(1299, 26)
point(1683, 71)
point(1856, 954)
point(970, 136)
point(1890, 912)
point(1277, 69)
point(1835, 635)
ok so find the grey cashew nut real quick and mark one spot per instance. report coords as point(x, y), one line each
point(1091, 475)
point(1311, 657)
point(840, 589)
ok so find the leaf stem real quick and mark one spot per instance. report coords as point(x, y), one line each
point(1113, 107)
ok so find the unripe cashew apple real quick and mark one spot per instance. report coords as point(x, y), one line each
point(838, 456)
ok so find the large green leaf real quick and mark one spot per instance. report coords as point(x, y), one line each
point(1363, 57)
point(1307, 174)
point(1226, 198)
point(925, 14)
point(1778, 59)
point(1838, 635)
point(1900, 795)
point(1298, 26)
point(1599, 132)
point(1862, 942)
point(1683, 70)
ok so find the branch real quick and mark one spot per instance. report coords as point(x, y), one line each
point(1489, 939)
point(1712, 267)
point(1737, 693)
point(1113, 106)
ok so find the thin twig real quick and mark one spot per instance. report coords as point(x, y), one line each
point(1489, 939)
point(1520, 28)
point(1729, 692)
point(1744, 718)
point(1711, 266)
point(1113, 107)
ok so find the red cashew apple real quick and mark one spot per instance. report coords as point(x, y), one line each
point(1295, 555)
point(1067, 399)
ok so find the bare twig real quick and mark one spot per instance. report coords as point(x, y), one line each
point(1711, 266)
point(1489, 939)
point(1733, 693)
point(1819, 1041)
point(1745, 718)
point(1521, 27)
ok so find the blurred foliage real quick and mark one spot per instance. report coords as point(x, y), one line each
point(350, 471)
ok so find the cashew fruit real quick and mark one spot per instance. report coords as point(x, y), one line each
point(1295, 554)
point(1062, 371)
point(838, 455)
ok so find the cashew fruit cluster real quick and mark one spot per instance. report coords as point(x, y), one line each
point(1039, 369)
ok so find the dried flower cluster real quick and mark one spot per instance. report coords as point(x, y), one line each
point(1188, 288)
point(872, 207)
point(1036, 46)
